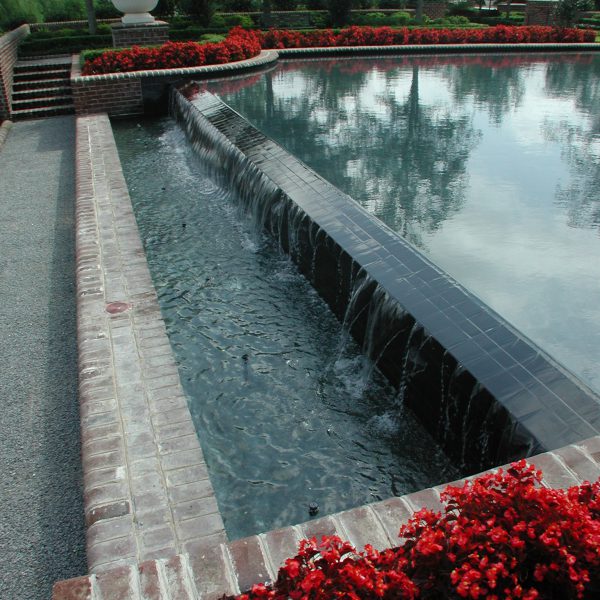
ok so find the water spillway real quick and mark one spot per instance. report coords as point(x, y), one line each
point(484, 391)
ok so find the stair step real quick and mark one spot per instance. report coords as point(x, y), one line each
point(23, 86)
point(44, 74)
point(27, 66)
point(37, 113)
point(42, 102)
point(37, 92)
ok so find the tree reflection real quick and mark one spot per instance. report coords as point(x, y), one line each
point(364, 126)
point(578, 81)
point(497, 84)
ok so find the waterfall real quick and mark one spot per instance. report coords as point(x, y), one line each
point(397, 331)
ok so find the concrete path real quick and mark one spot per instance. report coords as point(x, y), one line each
point(41, 505)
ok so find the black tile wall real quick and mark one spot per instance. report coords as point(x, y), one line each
point(483, 390)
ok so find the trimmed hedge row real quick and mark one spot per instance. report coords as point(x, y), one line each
point(241, 44)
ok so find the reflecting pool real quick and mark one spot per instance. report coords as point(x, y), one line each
point(490, 164)
point(287, 410)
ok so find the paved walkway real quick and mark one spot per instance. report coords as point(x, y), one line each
point(42, 534)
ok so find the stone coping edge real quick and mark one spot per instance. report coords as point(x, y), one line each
point(208, 572)
point(4, 130)
point(266, 57)
point(147, 493)
point(271, 56)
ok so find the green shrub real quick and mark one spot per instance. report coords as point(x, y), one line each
point(320, 4)
point(400, 19)
point(284, 4)
point(105, 9)
point(238, 20)
point(200, 10)
point(218, 22)
point(339, 12)
point(319, 20)
point(63, 45)
point(63, 10)
point(240, 5)
point(165, 8)
point(16, 12)
point(374, 19)
point(389, 4)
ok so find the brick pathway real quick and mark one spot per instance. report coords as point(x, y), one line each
point(147, 492)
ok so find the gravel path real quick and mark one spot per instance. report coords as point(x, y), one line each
point(41, 506)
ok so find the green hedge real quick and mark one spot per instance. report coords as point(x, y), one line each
point(60, 45)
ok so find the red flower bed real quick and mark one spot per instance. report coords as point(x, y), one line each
point(500, 536)
point(241, 44)
point(386, 36)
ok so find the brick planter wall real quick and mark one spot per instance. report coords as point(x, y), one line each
point(540, 12)
point(147, 34)
point(8, 57)
point(118, 95)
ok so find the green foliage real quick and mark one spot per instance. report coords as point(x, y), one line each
point(59, 45)
point(339, 11)
point(320, 4)
point(16, 12)
point(567, 11)
point(319, 20)
point(390, 4)
point(240, 5)
point(165, 8)
point(238, 21)
point(285, 4)
point(200, 10)
point(63, 10)
point(379, 19)
point(105, 9)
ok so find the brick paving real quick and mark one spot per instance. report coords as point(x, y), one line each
point(146, 489)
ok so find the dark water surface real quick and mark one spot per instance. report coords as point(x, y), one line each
point(281, 401)
point(490, 164)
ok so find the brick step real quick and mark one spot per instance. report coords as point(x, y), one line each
point(24, 66)
point(38, 113)
point(33, 84)
point(44, 74)
point(32, 93)
point(42, 102)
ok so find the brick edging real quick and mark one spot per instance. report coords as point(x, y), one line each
point(435, 49)
point(264, 58)
point(146, 488)
point(208, 572)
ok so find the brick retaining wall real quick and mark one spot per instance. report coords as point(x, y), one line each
point(434, 9)
point(145, 34)
point(9, 44)
point(540, 12)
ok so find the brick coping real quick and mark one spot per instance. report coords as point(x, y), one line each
point(270, 56)
point(266, 57)
point(208, 572)
point(147, 493)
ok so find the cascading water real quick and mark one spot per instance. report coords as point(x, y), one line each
point(388, 334)
point(284, 417)
point(455, 362)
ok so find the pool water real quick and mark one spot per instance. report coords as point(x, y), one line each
point(287, 409)
point(489, 164)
